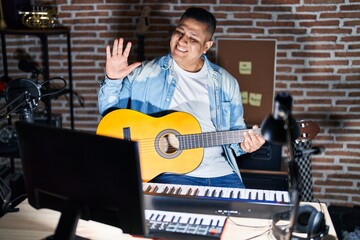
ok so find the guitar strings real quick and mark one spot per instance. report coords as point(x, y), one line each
point(191, 141)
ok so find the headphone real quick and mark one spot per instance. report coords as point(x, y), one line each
point(308, 221)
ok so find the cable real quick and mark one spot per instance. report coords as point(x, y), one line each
point(80, 98)
point(321, 207)
point(248, 226)
point(56, 92)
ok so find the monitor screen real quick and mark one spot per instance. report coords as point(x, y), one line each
point(82, 175)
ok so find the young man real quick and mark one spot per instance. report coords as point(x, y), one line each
point(184, 80)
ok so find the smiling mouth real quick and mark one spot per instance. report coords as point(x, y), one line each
point(180, 49)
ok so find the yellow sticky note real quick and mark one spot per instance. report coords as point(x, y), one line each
point(245, 67)
point(255, 99)
point(245, 97)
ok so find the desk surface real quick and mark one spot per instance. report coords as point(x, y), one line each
point(30, 223)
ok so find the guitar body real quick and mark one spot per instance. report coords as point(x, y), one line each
point(154, 136)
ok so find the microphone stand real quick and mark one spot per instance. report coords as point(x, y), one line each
point(26, 113)
point(294, 178)
point(281, 128)
point(22, 100)
point(295, 184)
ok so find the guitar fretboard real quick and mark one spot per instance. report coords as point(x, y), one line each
point(211, 139)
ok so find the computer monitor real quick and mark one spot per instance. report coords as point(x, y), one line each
point(82, 175)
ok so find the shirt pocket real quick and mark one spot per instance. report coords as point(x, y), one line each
point(225, 115)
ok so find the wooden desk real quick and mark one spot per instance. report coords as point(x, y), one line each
point(33, 224)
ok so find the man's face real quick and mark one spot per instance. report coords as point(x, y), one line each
point(188, 42)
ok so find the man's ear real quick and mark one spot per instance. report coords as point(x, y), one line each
point(208, 45)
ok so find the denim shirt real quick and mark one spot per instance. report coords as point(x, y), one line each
point(150, 88)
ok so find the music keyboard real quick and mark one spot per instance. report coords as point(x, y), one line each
point(179, 225)
point(216, 200)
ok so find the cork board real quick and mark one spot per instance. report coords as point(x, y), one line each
point(252, 63)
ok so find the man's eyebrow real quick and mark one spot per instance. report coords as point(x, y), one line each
point(192, 33)
point(179, 26)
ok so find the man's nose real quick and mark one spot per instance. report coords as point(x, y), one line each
point(183, 39)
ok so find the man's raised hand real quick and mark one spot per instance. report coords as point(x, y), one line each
point(117, 66)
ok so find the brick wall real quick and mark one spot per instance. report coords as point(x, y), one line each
point(318, 63)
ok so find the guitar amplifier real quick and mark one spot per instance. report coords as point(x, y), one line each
point(253, 180)
point(268, 157)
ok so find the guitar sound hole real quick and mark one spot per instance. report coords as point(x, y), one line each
point(169, 143)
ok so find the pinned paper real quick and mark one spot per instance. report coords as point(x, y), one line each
point(245, 67)
point(255, 99)
point(245, 97)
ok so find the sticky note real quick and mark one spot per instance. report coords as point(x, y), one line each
point(245, 97)
point(255, 99)
point(245, 67)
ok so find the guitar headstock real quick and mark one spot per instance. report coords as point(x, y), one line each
point(308, 130)
point(144, 22)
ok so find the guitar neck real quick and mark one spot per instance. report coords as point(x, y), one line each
point(140, 51)
point(141, 28)
point(211, 139)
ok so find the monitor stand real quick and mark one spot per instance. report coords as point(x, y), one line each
point(66, 227)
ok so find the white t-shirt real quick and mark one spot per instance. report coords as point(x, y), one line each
point(191, 96)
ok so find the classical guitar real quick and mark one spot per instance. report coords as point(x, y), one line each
point(174, 142)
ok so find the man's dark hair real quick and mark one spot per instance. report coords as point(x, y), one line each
point(201, 15)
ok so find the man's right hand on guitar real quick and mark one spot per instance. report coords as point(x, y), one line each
point(117, 66)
